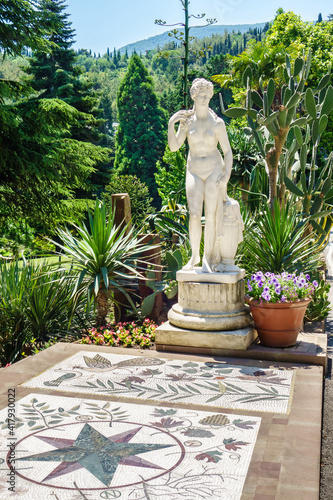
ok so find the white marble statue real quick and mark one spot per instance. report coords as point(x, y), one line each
point(206, 182)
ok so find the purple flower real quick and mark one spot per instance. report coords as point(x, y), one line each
point(315, 283)
point(307, 276)
point(280, 287)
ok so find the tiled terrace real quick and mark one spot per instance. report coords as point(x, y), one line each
point(281, 461)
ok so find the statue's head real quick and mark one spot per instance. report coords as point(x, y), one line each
point(200, 84)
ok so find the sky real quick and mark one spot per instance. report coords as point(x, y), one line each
point(114, 23)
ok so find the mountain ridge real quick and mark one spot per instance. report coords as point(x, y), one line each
point(153, 42)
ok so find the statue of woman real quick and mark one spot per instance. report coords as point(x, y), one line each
point(207, 176)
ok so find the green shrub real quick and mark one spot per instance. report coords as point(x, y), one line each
point(138, 192)
point(15, 236)
point(320, 305)
point(170, 180)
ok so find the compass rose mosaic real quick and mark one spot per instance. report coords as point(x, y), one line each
point(67, 449)
point(212, 383)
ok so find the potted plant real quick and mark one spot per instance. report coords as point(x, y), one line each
point(278, 303)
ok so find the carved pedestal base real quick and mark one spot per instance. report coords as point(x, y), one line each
point(210, 313)
point(214, 304)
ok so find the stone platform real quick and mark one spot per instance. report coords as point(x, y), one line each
point(168, 335)
point(196, 275)
point(310, 348)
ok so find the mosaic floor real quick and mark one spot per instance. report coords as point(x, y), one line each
point(67, 449)
point(210, 383)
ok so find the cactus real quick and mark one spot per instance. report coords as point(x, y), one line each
point(296, 118)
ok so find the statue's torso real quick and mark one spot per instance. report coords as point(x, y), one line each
point(204, 158)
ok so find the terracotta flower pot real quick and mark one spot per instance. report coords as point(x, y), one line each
point(278, 324)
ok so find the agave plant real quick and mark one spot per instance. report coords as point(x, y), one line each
point(274, 241)
point(105, 258)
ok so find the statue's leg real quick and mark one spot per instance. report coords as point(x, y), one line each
point(194, 194)
point(211, 199)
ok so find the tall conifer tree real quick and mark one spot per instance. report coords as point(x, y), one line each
point(41, 160)
point(56, 74)
point(53, 69)
point(141, 134)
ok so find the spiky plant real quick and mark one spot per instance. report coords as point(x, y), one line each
point(36, 305)
point(105, 259)
point(275, 241)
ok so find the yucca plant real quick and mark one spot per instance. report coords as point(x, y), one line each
point(36, 305)
point(274, 240)
point(105, 259)
point(53, 310)
point(13, 306)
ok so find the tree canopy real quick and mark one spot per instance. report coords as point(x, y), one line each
point(20, 26)
point(43, 158)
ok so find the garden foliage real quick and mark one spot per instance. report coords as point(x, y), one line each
point(36, 305)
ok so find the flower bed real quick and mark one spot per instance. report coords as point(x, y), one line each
point(123, 334)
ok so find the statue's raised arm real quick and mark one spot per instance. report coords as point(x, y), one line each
point(207, 175)
point(176, 140)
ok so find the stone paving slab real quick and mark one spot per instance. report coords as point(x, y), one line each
point(104, 449)
point(285, 461)
point(212, 383)
point(311, 347)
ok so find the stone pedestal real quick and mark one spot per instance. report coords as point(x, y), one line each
point(210, 312)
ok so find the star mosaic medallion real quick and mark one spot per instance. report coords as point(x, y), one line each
point(72, 449)
point(98, 454)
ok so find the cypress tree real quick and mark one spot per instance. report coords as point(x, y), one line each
point(141, 134)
